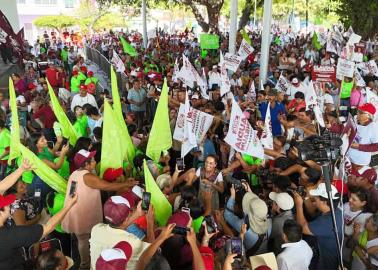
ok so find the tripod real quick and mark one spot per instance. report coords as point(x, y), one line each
point(327, 174)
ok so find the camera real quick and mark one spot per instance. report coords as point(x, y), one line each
point(300, 190)
point(320, 148)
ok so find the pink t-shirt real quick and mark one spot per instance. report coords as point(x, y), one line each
point(357, 98)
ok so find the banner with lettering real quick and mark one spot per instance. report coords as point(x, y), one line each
point(345, 68)
point(232, 61)
point(241, 136)
point(225, 81)
point(283, 85)
point(245, 49)
point(323, 74)
point(117, 62)
point(267, 135)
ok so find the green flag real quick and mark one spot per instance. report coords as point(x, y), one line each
point(48, 175)
point(128, 148)
point(160, 138)
point(246, 37)
point(162, 207)
point(315, 42)
point(127, 48)
point(111, 150)
point(14, 151)
point(208, 41)
point(68, 131)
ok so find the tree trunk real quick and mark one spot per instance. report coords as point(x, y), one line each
point(247, 11)
point(213, 12)
point(197, 14)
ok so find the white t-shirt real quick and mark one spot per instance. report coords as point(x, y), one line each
point(365, 135)
point(349, 215)
point(219, 178)
point(369, 244)
point(214, 78)
point(293, 90)
point(80, 101)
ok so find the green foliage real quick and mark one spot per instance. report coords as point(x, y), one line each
point(57, 22)
point(362, 15)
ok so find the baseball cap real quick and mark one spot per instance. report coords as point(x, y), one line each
point(137, 191)
point(90, 73)
point(7, 200)
point(257, 212)
point(294, 81)
point(367, 108)
point(83, 69)
point(117, 209)
point(83, 87)
point(366, 172)
point(115, 258)
point(264, 261)
point(195, 96)
point(31, 86)
point(321, 191)
point(111, 174)
point(283, 200)
point(180, 219)
point(82, 156)
point(75, 72)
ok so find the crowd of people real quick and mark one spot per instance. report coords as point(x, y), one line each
point(230, 210)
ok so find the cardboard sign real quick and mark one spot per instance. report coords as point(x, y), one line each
point(323, 74)
point(208, 41)
point(345, 68)
point(232, 61)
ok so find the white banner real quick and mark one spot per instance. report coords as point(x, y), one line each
point(283, 85)
point(372, 67)
point(232, 61)
point(241, 136)
point(189, 141)
point(117, 62)
point(202, 122)
point(225, 81)
point(245, 49)
point(359, 80)
point(354, 38)
point(176, 71)
point(203, 85)
point(345, 68)
point(185, 75)
point(251, 95)
point(267, 135)
point(313, 101)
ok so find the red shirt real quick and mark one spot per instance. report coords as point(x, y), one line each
point(46, 115)
point(51, 76)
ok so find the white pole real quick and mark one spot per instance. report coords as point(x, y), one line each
point(233, 26)
point(265, 42)
point(144, 18)
point(254, 16)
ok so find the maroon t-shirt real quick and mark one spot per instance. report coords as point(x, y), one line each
point(46, 115)
point(51, 76)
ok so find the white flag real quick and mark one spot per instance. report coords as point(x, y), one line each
point(312, 101)
point(359, 80)
point(203, 85)
point(189, 141)
point(225, 81)
point(251, 95)
point(373, 69)
point(267, 135)
point(241, 136)
point(245, 49)
point(185, 75)
point(176, 71)
point(283, 85)
point(117, 62)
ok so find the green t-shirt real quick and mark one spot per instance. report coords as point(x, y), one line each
point(81, 125)
point(346, 89)
point(254, 181)
point(64, 170)
point(46, 154)
point(4, 142)
point(64, 56)
point(81, 76)
point(75, 84)
point(91, 79)
point(28, 176)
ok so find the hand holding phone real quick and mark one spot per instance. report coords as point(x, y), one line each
point(146, 200)
point(73, 188)
point(237, 247)
point(180, 164)
point(180, 230)
point(211, 225)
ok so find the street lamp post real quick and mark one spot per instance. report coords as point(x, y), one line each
point(233, 26)
point(144, 19)
point(265, 40)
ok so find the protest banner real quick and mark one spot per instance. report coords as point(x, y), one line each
point(323, 74)
point(359, 80)
point(245, 49)
point(225, 81)
point(208, 41)
point(283, 85)
point(189, 141)
point(176, 71)
point(345, 68)
point(117, 62)
point(241, 136)
point(354, 38)
point(267, 135)
point(313, 102)
point(337, 36)
point(251, 95)
point(201, 123)
point(232, 61)
point(372, 67)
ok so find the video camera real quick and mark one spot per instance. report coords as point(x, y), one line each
point(320, 148)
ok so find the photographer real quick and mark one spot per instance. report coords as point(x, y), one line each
point(254, 213)
point(322, 226)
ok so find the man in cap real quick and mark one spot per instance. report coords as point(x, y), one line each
point(119, 215)
point(91, 82)
point(276, 109)
point(75, 82)
point(296, 86)
point(322, 226)
point(51, 75)
point(366, 139)
point(83, 98)
point(282, 204)
point(115, 258)
point(214, 78)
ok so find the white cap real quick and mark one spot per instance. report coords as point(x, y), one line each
point(295, 80)
point(195, 96)
point(138, 191)
point(283, 200)
point(321, 191)
point(21, 99)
